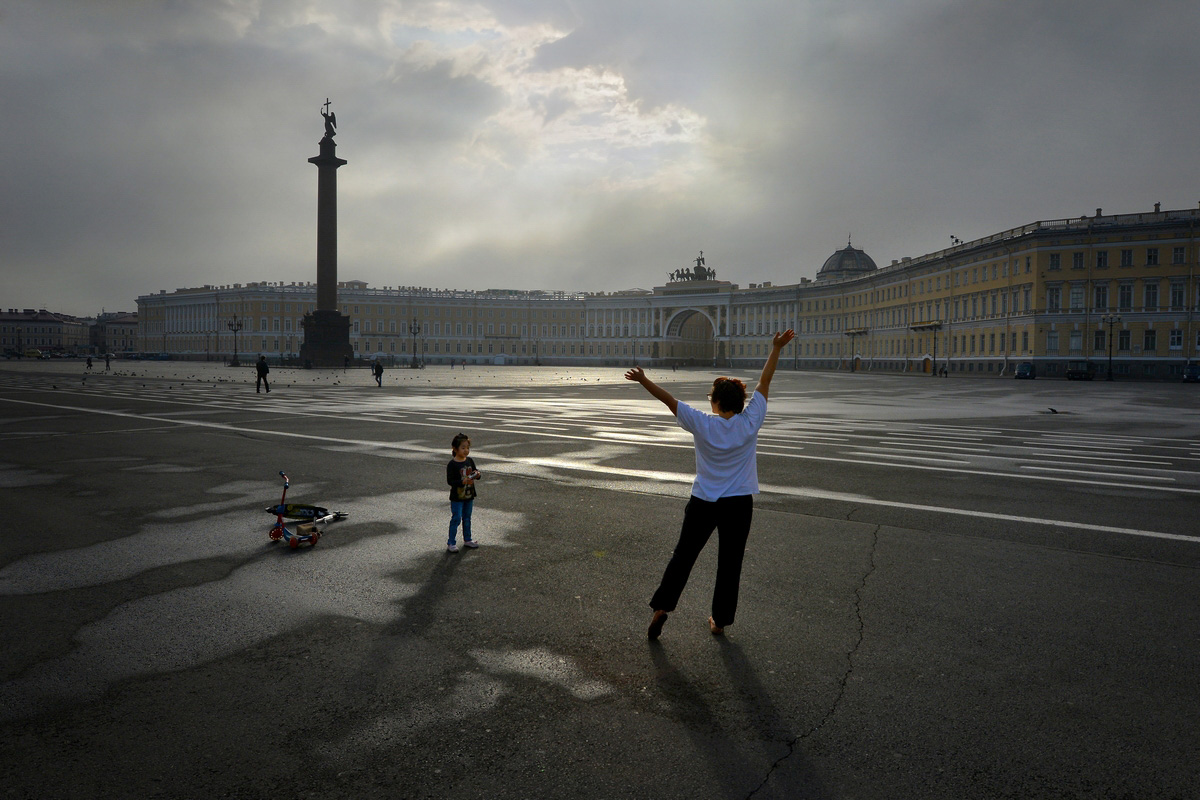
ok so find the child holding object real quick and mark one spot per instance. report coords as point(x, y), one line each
point(461, 474)
point(723, 491)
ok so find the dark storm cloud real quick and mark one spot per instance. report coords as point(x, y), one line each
point(575, 145)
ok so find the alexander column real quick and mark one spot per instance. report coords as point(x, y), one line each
point(326, 330)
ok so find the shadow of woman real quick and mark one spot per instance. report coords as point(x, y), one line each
point(734, 766)
point(764, 716)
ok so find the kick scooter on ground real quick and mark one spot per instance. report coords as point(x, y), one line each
point(307, 518)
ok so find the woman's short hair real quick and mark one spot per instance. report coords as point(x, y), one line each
point(729, 394)
point(458, 440)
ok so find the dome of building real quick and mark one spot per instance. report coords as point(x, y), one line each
point(847, 263)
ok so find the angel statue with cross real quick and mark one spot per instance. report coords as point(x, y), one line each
point(330, 120)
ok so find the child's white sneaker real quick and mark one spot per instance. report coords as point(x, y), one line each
point(471, 543)
point(451, 548)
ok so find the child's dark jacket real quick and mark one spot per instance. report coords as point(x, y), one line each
point(455, 470)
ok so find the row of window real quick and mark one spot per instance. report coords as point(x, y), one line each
point(41, 329)
point(55, 339)
point(392, 310)
point(995, 343)
point(1124, 340)
point(457, 312)
point(1100, 297)
point(1125, 255)
point(34, 341)
point(273, 344)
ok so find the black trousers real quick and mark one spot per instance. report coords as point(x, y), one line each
point(263, 380)
point(730, 517)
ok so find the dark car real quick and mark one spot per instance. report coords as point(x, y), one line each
point(1025, 370)
point(1191, 373)
point(1080, 370)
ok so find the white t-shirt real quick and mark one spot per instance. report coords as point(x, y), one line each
point(725, 449)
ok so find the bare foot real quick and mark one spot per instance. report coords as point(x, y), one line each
point(656, 624)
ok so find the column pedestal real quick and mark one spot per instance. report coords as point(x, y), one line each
point(326, 339)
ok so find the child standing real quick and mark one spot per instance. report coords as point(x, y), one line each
point(461, 474)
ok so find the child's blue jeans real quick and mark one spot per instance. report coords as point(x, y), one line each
point(460, 510)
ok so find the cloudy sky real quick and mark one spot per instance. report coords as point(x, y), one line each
point(589, 145)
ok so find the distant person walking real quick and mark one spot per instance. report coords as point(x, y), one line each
point(89, 364)
point(261, 369)
point(378, 372)
point(723, 491)
point(461, 474)
point(107, 361)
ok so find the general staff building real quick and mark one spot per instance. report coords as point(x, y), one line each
point(1122, 287)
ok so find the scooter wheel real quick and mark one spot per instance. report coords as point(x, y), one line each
point(294, 542)
point(315, 536)
point(276, 534)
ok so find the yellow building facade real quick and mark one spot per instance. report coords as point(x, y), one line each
point(1053, 293)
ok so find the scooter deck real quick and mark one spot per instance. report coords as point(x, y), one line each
point(303, 511)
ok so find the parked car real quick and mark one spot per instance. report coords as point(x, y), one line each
point(1080, 370)
point(1191, 373)
point(33, 352)
point(1026, 370)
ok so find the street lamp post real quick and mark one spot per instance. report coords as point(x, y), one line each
point(414, 329)
point(212, 324)
point(234, 325)
point(1110, 320)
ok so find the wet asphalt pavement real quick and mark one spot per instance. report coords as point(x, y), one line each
point(950, 591)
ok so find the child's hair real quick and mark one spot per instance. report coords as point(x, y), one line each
point(458, 440)
point(729, 394)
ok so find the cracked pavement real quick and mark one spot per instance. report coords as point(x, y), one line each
point(902, 632)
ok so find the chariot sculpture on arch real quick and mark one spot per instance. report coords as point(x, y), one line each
point(699, 273)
